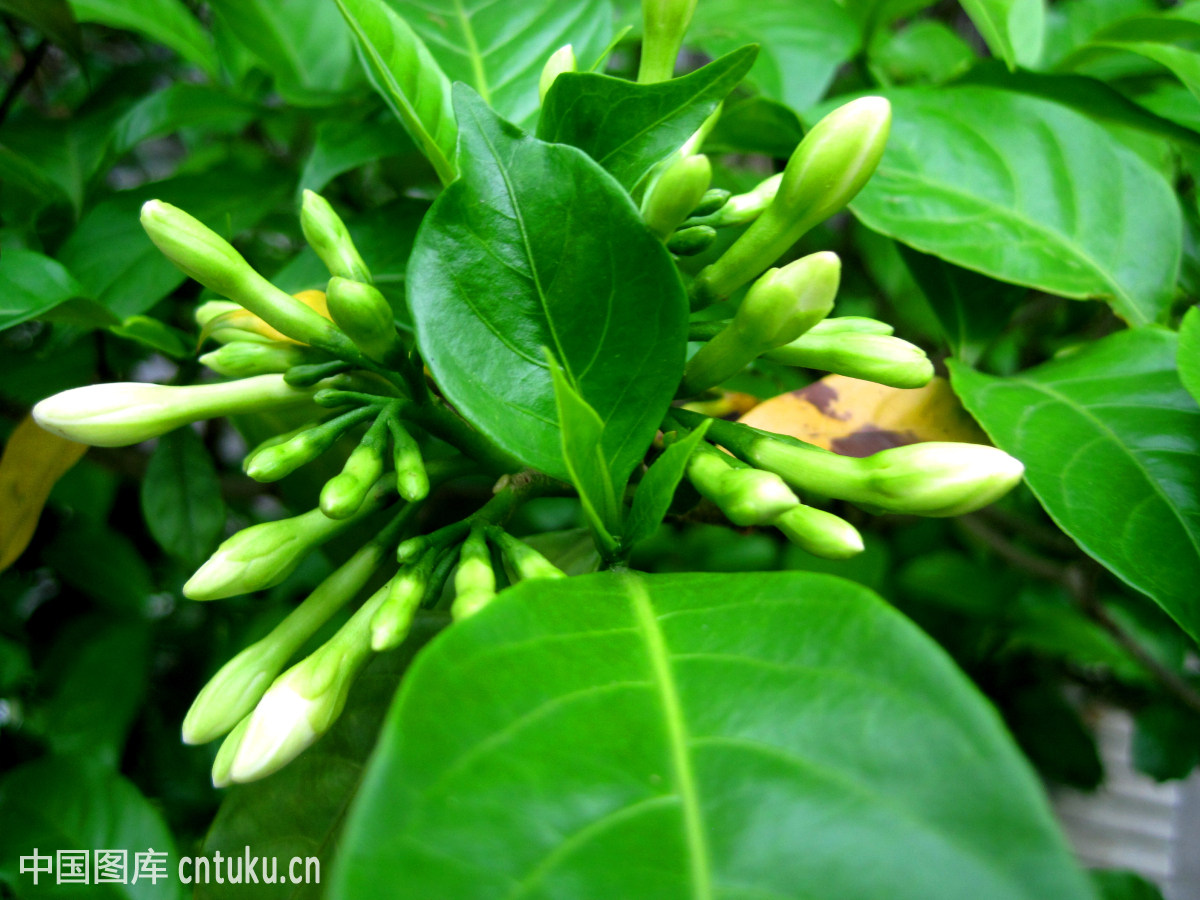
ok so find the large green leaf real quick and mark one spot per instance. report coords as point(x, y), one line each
point(781, 735)
point(1026, 191)
point(32, 284)
point(1013, 29)
point(627, 127)
point(74, 803)
point(182, 105)
point(118, 265)
point(534, 247)
point(181, 497)
point(802, 44)
point(499, 48)
point(167, 22)
point(344, 144)
point(1189, 352)
point(1111, 446)
point(407, 76)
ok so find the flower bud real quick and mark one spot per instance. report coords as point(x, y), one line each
point(664, 24)
point(746, 496)
point(344, 493)
point(229, 747)
point(263, 555)
point(820, 533)
point(241, 359)
point(122, 413)
point(742, 208)
point(693, 240)
point(713, 200)
point(561, 60)
point(522, 560)
point(851, 325)
point(675, 193)
point(241, 325)
point(211, 260)
point(366, 316)
point(391, 623)
point(233, 692)
point(327, 234)
point(279, 456)
point(412, 479)
point(782, 305)
point(940, 478)
point(871, 357)
point(210, 309)
point(475, 579)
point(826, 171)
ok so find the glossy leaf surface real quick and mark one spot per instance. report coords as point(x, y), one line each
point(181, 497)
point(1029, 192)
point(32, 284)
point(534, 247)
point(627, 127)
point(1013, 29)
point(643, 737)
point(169, 22)
point(1111, 446)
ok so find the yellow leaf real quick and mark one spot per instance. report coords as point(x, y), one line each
point(32, 463)
point(858, 418)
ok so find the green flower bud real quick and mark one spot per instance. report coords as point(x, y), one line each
point(664, 24)
point(327, 234)
point(820, 533)
point(344, 493)
point(393, 620)
point(746, 496)
point(412, 480)
point(263, 555)
point(241, 359)
point(742, 208)
point(561, 60)
point(123, 413)
point(675, 194)
point(690, 241)
point(713, 200)
point(782, 305)
point(871, 357)
point(229, 747)
point(234, 691)
point(282, 455)
point(210, 309)
point(475, 579)
point(851, 325)
point(826, 171)
point(211, 260)
point(366, 316)
point(522, 560)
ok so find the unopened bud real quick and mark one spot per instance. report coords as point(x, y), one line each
point(241, 359)
point(820, 533)
point(365, 315)
point(393, 620)
point(327, 234)
point(742, 208)
point(279, 456)
point(691, 241)
point(664, 24)
point(475, 579)
point(522, 560)
point(344, 493)
point(122, 413)
point(871, 357)
point(210, 309)
point(675, 193)
point(412, 479)
point(228, 750)
point(211, 260)
point(826, 171)
point(746, 496)
point(713, 200)
point(851, 325)
point(561, 60)
point(940, 478)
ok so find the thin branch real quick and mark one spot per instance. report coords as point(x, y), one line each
point(33, 59)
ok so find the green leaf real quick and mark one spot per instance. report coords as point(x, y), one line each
point(301, 809)
point(755, 125)
point(179, 106)
point(1166, 741)
point(1188, 357)
point(304, 44)
point(537, 246)
point(1112, 885)
point(53, 18)
point(646, 737)
point(32, 284)
point(971, 308)
point(1026, 191)
point(77, 804)
point(925, 51)
point(154, 334)
point(408, 77)
point(628, 127)
point(656, 490)
point(345, 144)
point(1111, 446)
point(802, 44)
point(1071, 23)
point(167, 22)
point(118, 265)
point(1014, 30)
point(181, 497)
point(582, 450)
point(499, 48)
point(875, 15)
point(103, 564)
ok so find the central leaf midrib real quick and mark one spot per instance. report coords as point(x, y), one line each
point(464, 22)
point(699, 863)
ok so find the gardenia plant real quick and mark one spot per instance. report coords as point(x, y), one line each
point(551, 351)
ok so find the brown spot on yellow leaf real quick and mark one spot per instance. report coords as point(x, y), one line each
point(32, 463)
point(857, 418)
